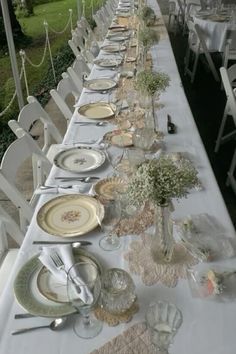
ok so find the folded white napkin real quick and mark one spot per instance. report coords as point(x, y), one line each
point(66, 255)
point(60, 190)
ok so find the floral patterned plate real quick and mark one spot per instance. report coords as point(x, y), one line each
point(70, 215)
point(79, 159)
point(122, 138)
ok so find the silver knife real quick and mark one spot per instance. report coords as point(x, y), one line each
point(23, 315)
point(81, 179)
point(83, 243)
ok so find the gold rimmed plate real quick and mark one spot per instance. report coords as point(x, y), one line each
point(113, 48)
point(107, 187)
point(79, 159)
point(117, 28)
point(97, 110)
point(100, 84)
point(70, 215)
point(34, 300)
point(107, 63)
point(121, 138)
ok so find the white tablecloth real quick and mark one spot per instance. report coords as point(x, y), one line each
point(214, 33)
point(208, 327)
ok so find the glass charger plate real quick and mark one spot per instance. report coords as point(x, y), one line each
point(79, 159)
point(27, 292)
point(100, 84)
point(110, 48)
point(118, 137)
point(51, 288)
point(97, 110)
point(69, 215)
point(107, 63)
point(107, 187)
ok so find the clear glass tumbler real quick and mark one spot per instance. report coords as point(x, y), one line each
point(163, 320)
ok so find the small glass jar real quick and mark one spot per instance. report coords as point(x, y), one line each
point(144, 138)
point(118, 291)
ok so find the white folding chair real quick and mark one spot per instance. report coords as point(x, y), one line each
point(65, 89)
point(229, 52)
point(78, 48)
point(230, 109)
point(32, 113)
point(102, 26)
point(8, 227)
point(88, 44)
point(191, 9)
point(197, 46)
point(173, 16)
point(228, 77)
point(181, 13)
point(21, 150)
point(88, 33)
point(81, 67)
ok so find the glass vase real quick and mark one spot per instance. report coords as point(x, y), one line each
point(162, 246)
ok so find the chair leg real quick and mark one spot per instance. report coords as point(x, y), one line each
point(186, 61)
point(230, 179)
point(194, 68)
point(222, 127)
point(212, 66)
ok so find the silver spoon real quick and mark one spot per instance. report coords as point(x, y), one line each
point(55, 325)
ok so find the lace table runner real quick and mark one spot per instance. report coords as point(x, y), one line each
point(141, 263)
point(135, 340)
point(137, 224)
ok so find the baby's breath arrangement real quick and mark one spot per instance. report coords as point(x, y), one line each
point(148, 37)
point(159, 180)
point(148, 15)
point(149, 82)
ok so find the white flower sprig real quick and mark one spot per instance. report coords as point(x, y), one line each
point(149, 82)
point(159, 180)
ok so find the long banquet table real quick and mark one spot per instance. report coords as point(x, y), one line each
point(208, 326)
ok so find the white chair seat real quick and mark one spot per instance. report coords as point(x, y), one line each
point(6, 267)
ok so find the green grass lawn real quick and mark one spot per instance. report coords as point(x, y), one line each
point(57, 15)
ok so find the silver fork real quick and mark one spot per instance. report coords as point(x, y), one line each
point(58, 262)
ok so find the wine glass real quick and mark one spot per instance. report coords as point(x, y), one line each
point(114, 155)
point(112, 214)
point(83, 290)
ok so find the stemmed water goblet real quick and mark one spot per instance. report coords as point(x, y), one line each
point(83, 290)
point(114, 154)
point(111, 218)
